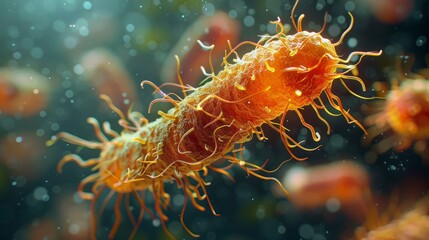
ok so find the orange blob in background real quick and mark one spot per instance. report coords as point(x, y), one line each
point(23, 91)
point(216, 29)
point(413, 224)
point(106, 73)
point(67, 219)
point(338, 185)
point(407, 109)
point(391, 11)
point(402, 215)
point(23, 154)
point(403, 115)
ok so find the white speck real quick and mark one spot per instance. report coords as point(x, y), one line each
point(130, 27)
point(55, 126)
point(69, 93)
point(78, 69)
point(233, 14)
point(41, 194)
point(281, 229)
point(249, 21)
point(350, 6)
point(333, 205)
point(156, 223)
point(352, 42)
point(74, 229)
point(334, 30)
point(421, 41)
point(84, 31)
point(87, 5)
point(341, 19)
point(17, 55)
point(19, 139)
point(208, 9)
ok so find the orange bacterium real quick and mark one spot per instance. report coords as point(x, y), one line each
point(405, 216)
point(338, 184)
point(411, 225)
point(404, 115)
point(210, 123)
point(23, 91)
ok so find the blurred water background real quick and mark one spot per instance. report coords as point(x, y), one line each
point(50, 37)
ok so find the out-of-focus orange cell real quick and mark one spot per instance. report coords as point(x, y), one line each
point(23, 92)
point(340, 183)
point(407, 109)
point(108, 76)
point(73, 217)
point(396, 215)
point(44, 228)
point(65, 220)
point(23, 154)
point(217, 30)
point(391, 11)
point(404, 117)
point(414, 224)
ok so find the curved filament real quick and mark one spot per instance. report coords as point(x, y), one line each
point(292, 15)
point(78, 160)
point(112, 106)
point(346, 31)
